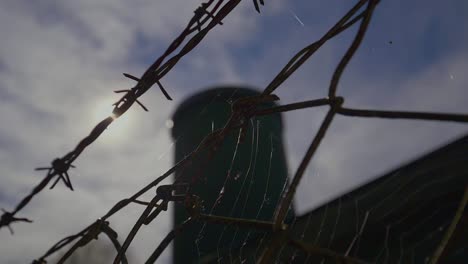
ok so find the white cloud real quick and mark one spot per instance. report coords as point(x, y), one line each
point(61, 59)
point(57, 59)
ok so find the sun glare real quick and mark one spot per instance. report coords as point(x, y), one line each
point(119, 129)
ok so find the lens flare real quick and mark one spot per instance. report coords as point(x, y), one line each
point(117, 130)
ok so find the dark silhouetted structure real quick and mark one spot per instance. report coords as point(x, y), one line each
point(399, 218)
point(242, 180)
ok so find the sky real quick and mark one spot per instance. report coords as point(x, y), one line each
point(61, 60)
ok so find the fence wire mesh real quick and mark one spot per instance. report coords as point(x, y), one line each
point(209, 15)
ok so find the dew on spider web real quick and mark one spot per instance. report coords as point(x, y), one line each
point(253, 196)
point(263, 238)
point(265, 200)
point(381, 203)
point(221, 192)
point(186, 132)
point(337, 219)
point(384, 250)
point(219, 198)
point(402, 236)
point(238, 238)
point(324, 218)
point(228, 176)
point(252, 176)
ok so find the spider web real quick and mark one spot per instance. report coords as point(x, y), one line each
point(396, 211)
point(396, 219)
point(250, 154)
point(401, 216)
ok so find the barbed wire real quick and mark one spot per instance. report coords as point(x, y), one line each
point(243, 110)
point(60, 166)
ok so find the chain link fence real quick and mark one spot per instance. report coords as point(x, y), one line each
point(207, 16)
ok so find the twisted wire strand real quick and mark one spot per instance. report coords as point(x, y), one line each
point(243, 109)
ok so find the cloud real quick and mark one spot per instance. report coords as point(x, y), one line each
point(59, 64)
point(60, 61)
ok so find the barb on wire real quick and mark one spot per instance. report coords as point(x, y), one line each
point(60, 168)
point(257, 8)
point(199, 12)
point(199, 19)
point(168, 97)
point(241, 111)
point(151, 76)
point(130, 92)
point(8, 218)
point(163, 191)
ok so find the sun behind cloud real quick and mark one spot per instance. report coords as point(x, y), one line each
point(119, 129)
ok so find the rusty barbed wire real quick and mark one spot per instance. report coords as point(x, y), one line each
point(8, 218)
point(242, 111)
point(152, 75)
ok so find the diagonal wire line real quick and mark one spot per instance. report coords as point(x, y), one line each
point(286, 200)
point(242, 110)
point(150, 77)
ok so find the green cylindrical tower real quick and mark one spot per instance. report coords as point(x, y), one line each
point(243, 179)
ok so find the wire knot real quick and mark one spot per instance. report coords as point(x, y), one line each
point(199, 12)
point(246, 107)
point(336, 102)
